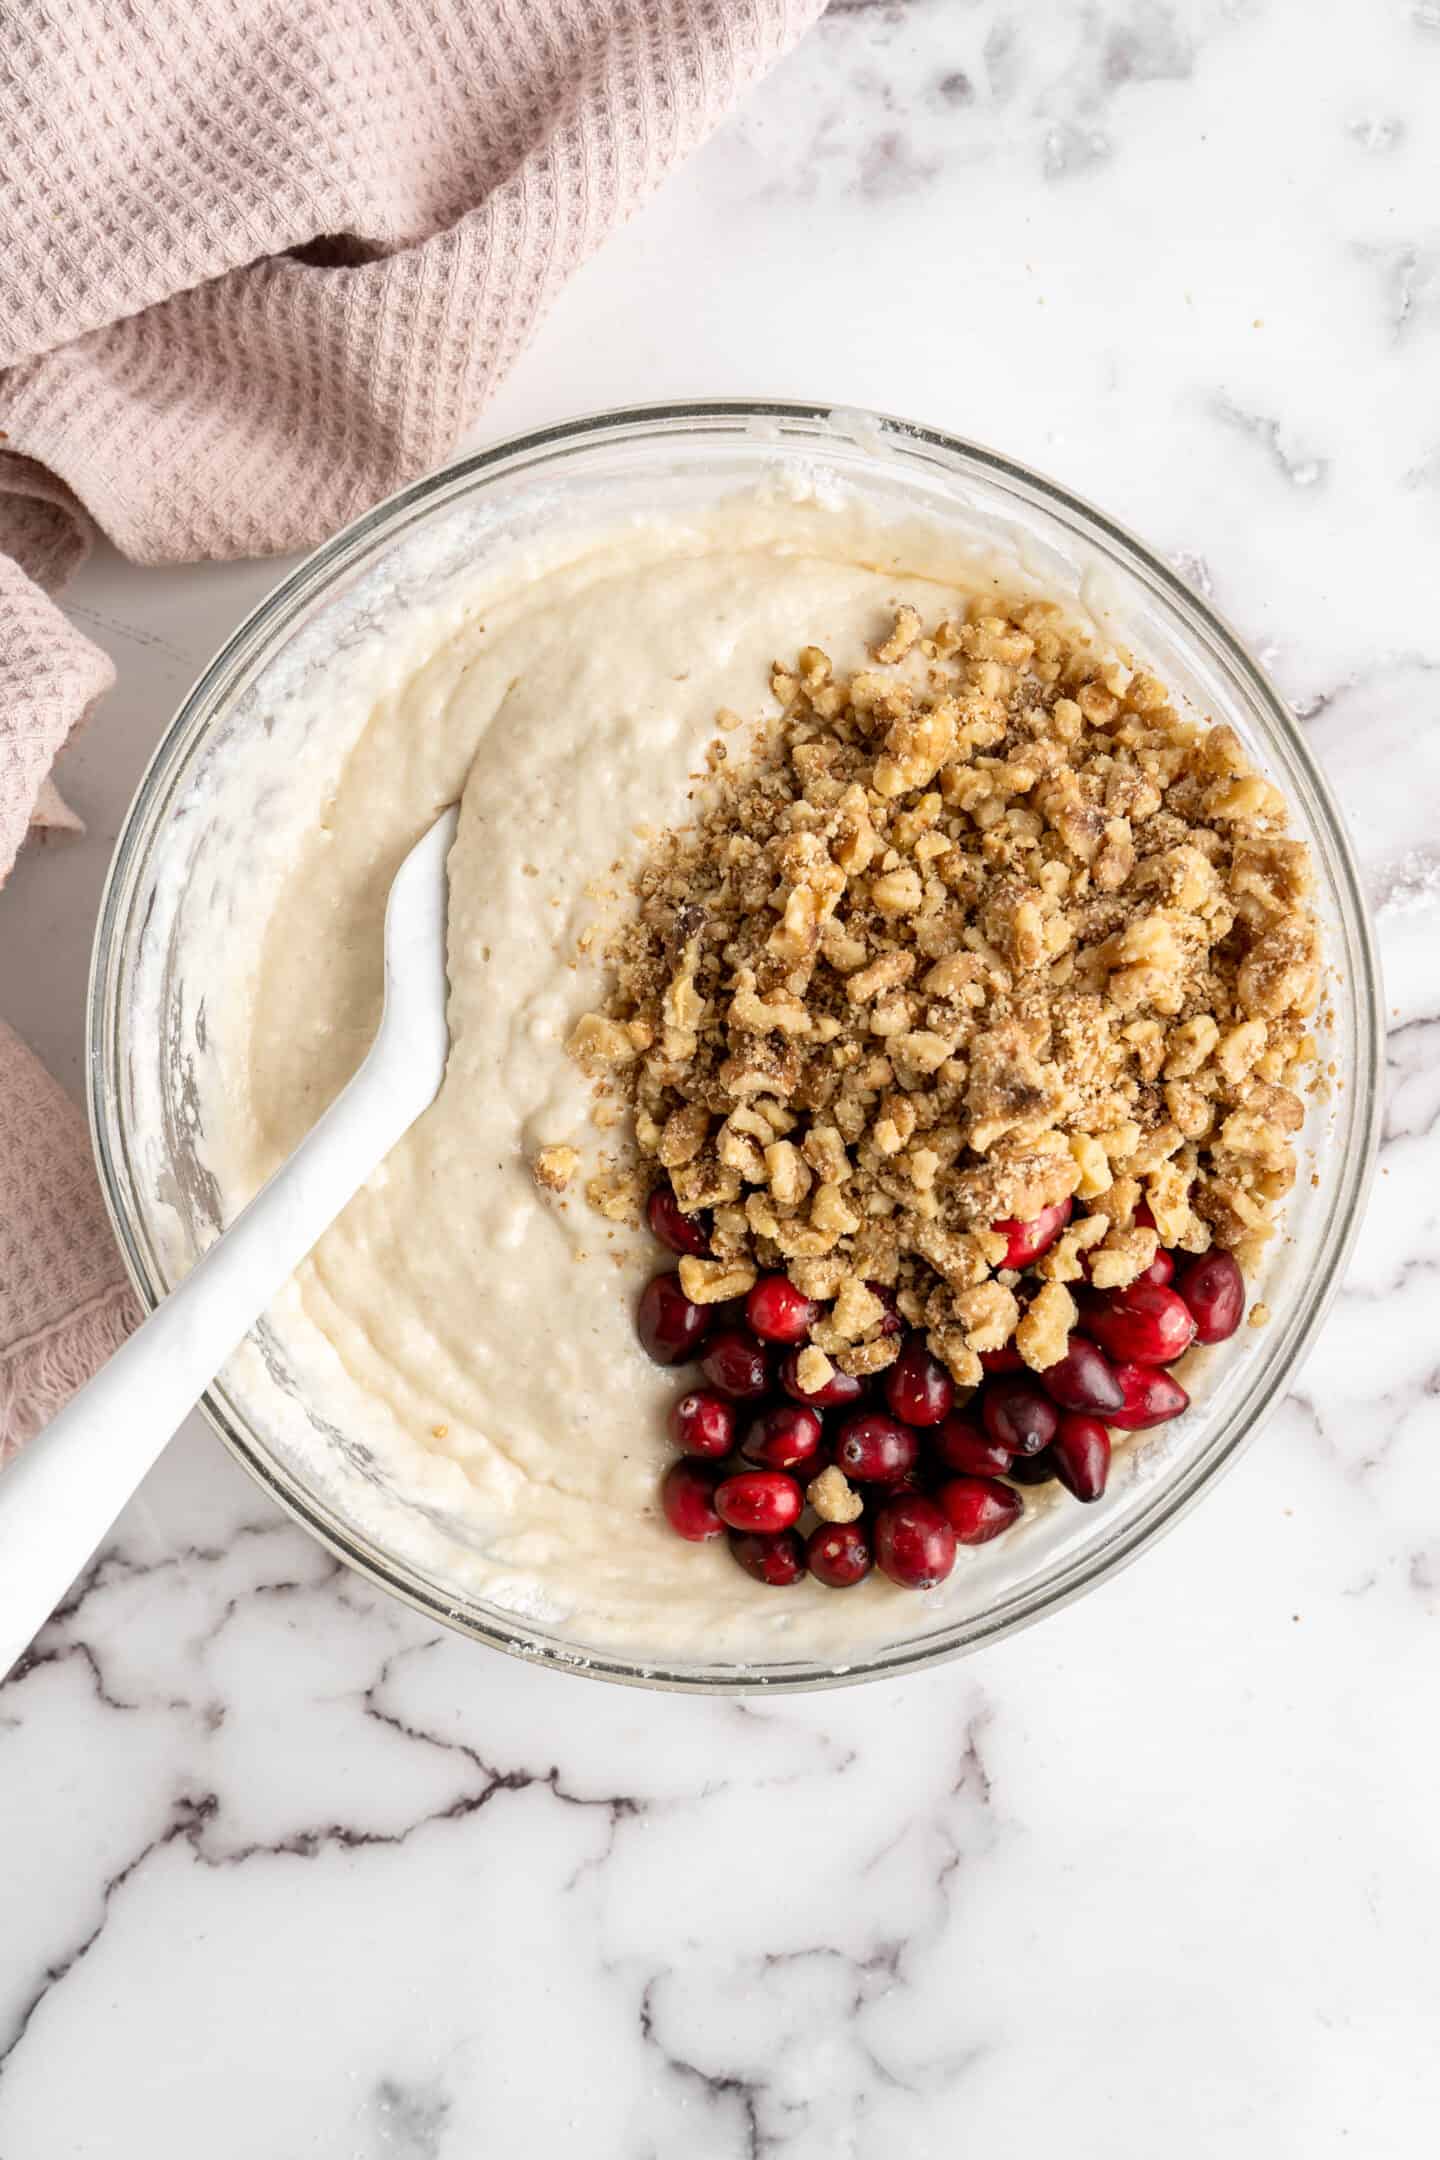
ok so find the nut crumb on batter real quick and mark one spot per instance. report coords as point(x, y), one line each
point(979, 929)
point(554, 1167)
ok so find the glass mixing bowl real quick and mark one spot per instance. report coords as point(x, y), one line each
point(148, 1119)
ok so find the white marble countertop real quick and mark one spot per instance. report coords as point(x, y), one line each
point(289, 1873)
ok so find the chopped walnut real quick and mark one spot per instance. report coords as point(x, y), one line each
point(1045, 1330)
point(984, 926)
point(711, 1282)
point(554, 1167)
point(833, 1497)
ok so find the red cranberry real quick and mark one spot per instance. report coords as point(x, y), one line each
point(872, 1447)
point(703, 1424)
point(1143, 1324)
point(778, 1312)
point(1151, 1395)
point(682, 1233)
point(978, 1509)
point(840, 1391)
point(839, 1554)
point(892, 1323)
point(783, 1438)
point(1025, 1241)
point(1083, 1380)
point(1005, 1359)
point(670, 1328)
point(736, 1364)
point(917, 1386)
point(1081, 1449)
point(763, 1500)
point(911, 1480)
point(1033, 1469)
point(1017, 1416)
point(914, 1543)
point(1144, 1220)
point(687, 1494)
point(776, 1561)
point(963, 1448)
point(1161, 1269)
point(1214, 1292)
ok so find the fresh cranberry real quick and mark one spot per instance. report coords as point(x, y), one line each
point(1161, 1269)
point(736, 1364)
point(682, 1233)
point(892, 1323)
point(872, 1447)
point(914, 1543)
point(1081, 1449)
point(978, 1508)
point(778, 1312)
point(912, 1480)
point(763, 1500)
point(1083, 1380)
point(777, 1561)
point(965, 1449)
point(1151, 1395)
point(1143, 1324)
point(1144, 1220)
point(1033, 1469)
point(670, 1328)
point(1017, 1415)
point(1214, 1292)
point(703, 1424)
point(839, 1554)
point(1006, 1359)
point(917, 1386)
point(687, 1494)
point(782, 1438)
point(1025, 1241)
point(840, 1391)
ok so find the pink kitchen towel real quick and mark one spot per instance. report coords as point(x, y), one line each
point(259, 265)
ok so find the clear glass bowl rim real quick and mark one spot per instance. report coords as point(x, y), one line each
point(734, 418)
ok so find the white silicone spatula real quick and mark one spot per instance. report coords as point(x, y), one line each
point(65, 1489)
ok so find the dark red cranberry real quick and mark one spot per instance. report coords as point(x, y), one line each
point(873, 1447)
point(687, 1494)
point(1151, 1395)
point(785, 1437)
point(682, 1233)
point(840, 1391)
point(839, 1554)
point(736, 1363)
point(978, 1508)
point(1214, 1292)
point(670, 1328)
point(1144, 1220)
point(892, 1323)
point(1083, 1380)
point(703, 1424)
point(776, 1561)
point(1005, 1359)
point(1081, 1449)
point(965, 1449)
point(763, 1500)
point(1161, 1269)
point(1017, 1415)
point(917, 1386)
point(912, 1480)
point(914, 1543)
point(1143, 1324)
point(1033, 1469)
point(778, 1312)
point(1025, 1241)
